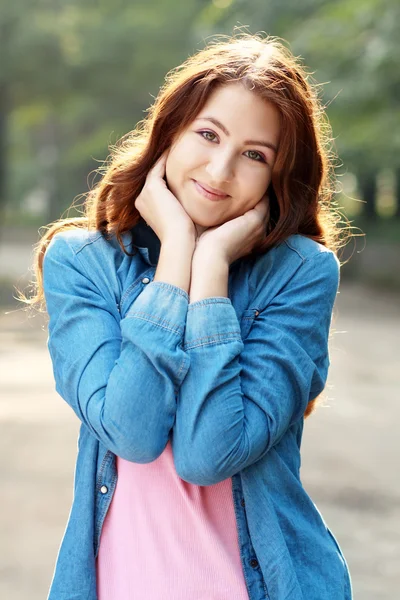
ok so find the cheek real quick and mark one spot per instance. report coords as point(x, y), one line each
point(172, 167)
point(175, 163)
point(253, 189)
point(179, 162)
point(183, 153)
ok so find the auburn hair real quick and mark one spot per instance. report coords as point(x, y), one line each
point(302, 180)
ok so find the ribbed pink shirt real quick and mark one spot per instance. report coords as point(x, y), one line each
point(166, 539)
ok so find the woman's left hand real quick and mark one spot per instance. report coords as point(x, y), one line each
point(236, 237)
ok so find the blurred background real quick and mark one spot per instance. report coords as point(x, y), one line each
point(77, 75)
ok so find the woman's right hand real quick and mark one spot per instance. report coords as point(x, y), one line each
point(160, 208)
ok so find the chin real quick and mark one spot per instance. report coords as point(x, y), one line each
point(206, 223)
point(198, 216)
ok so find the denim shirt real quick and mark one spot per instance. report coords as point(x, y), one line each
point(225, 379)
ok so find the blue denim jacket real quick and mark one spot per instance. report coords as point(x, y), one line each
point(227, 380)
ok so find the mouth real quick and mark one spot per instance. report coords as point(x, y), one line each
point(208, 192)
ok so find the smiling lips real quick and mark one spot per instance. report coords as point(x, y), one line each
point(208, 192)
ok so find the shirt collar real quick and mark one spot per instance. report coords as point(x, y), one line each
point(146, 241)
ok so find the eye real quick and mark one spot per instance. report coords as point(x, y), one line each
point(257, 154)
point(204, 133)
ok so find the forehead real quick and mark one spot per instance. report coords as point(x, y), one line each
point(242, 111)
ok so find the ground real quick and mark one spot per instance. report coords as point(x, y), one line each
point(350, 449)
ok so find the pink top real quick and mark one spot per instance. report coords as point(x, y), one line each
point(165, 538)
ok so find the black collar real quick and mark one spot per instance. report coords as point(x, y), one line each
point(143, 236)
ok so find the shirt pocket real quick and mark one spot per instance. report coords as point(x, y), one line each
point(247, 320)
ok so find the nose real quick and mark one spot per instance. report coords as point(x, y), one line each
point(220, 168)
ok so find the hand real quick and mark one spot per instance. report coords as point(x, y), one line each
point(160, 208)
point(236, 237)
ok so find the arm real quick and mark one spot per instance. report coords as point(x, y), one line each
point(239, 398)
point(119, 376)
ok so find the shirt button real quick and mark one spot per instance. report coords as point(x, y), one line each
point(145, 280)
point(254, 562)
point(242, 502)
point(104, 489)
point(256, 313)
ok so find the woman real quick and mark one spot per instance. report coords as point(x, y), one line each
point(189, 321)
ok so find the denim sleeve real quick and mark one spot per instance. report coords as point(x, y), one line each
point(239, 398)
point(119, 376)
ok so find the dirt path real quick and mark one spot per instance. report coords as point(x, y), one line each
point(350, 450)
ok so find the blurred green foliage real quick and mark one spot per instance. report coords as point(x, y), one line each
point(77, 75)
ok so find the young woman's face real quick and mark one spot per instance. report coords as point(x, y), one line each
point(230, 149)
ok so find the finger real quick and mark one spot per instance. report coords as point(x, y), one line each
point(262, 207)
point(264, 200)
point(158, 168)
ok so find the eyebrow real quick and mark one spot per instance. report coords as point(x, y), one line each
point(247, 142)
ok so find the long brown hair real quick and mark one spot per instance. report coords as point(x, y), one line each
point(302, 180)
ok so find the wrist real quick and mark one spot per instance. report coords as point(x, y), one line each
point(175, 262)
point(183, 238)
point(209, 278)
point(204, 255)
